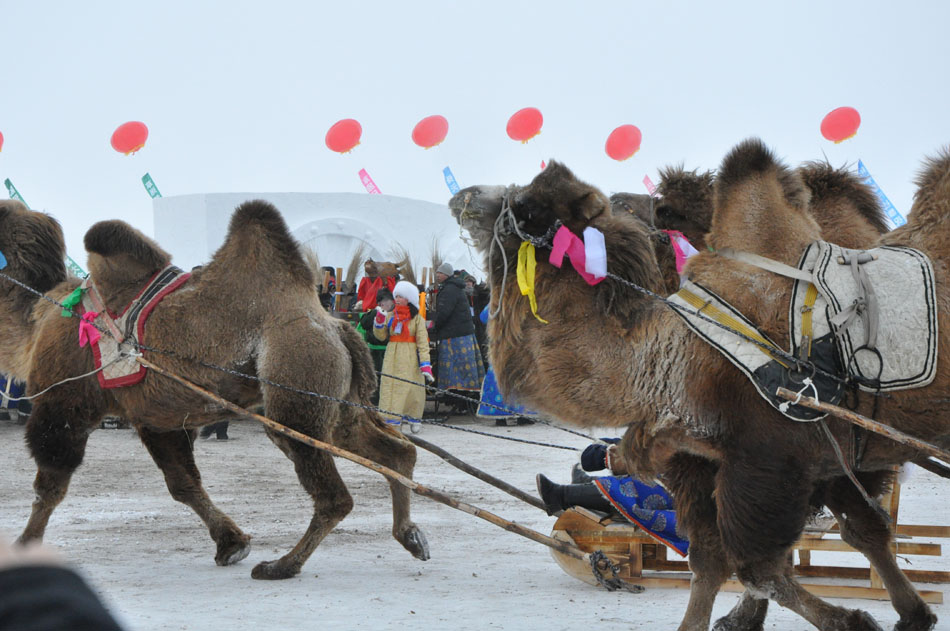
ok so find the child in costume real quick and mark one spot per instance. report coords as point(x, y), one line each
point(407, 356)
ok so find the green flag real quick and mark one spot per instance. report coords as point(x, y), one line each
point(150, 186)
point(14, 194)
point(70, 263)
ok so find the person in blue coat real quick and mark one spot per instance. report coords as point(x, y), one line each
point(649, 507)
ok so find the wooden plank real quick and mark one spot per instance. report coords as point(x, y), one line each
point(939, 532)
point(898, 547)
point(863, 573)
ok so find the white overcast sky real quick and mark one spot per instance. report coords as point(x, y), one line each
point(238, 96)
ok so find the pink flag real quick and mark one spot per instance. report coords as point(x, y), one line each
point(651, 189)
point(368, 182)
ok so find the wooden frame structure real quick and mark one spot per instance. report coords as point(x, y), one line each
point(643, 561)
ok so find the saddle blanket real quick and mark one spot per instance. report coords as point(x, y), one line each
point(890, 346)
point(128, 328)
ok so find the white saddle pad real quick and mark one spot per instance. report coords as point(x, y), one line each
point(903, 283)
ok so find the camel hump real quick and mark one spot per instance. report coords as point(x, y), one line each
point(114, 238)
point(831, 185)
point(750, 158)
point(258, 234)
point(932, 199)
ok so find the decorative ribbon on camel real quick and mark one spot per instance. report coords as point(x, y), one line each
point(88, 333)
point(566, 242)
point(681, 247)
point(526, 269)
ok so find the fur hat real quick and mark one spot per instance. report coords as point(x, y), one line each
point(405, 289)
point(446, 268)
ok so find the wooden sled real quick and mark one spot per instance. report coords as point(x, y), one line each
point(643, 561)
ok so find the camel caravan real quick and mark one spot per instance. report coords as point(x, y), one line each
point(744, 476)
point(693, 377)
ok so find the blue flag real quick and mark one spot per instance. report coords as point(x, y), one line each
point(450, 180)
point(889, 209)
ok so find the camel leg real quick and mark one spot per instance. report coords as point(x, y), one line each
point(369, 437)
point(57, 444)
point(332, 502)
point(762, 507)
point(865, 530)
point(173, 452)
point(690, 480)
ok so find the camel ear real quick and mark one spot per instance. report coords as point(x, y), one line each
point(588, 206)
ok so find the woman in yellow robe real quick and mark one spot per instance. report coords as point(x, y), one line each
point(407, 356)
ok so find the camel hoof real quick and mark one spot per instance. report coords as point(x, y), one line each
point(858, 620)
point(726, 623)
point(414, 540)
point(231, 551)
point(272, 571)
point(924, 620)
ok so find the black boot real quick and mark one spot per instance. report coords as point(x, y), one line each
point(551, 494)
point(558, 497)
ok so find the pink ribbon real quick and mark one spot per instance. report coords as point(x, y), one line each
point(88, 332)
point(682, 247)
point(566, 242)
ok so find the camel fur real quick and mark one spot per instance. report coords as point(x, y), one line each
point(742, 476)
point(253, 309)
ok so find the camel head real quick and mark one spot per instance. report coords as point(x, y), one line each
point(641, 207)
point(33, 246)
point(685, 203)
point(499, 218)
point(761, 206)
point(554, 195)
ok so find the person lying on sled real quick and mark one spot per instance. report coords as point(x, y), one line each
point(649, 507)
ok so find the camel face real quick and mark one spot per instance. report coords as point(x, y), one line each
point(476, 208)
point(685, 203)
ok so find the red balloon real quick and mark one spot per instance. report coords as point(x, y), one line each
point(430, 131)
point(129, 137)
point(1, 141)
point(840, 124)
point(623, 142)
point(525, 124)
point(344, 135)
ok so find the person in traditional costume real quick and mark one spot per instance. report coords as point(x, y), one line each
point(371, 284)
point(407, 357)
point(460, 361)
point(492, 405)
point(649, 507)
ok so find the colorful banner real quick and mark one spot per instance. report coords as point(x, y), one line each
point(150, 186)
point(450, 181)
point(15, 194)
point(368, 182)
point(651, 188)
point(889, 209)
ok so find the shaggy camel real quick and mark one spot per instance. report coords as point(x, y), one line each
point(743, 476)
point(253, 309)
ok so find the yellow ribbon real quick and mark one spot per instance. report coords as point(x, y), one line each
point(526, 265)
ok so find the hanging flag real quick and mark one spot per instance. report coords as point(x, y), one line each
point(15, 194)
point(651, 188)
point(450, 181)
point(889, 209)
point(368, 182)
point(150, 186)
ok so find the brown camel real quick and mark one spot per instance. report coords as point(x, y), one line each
point(253, 309)
point(742, 475)
point(641, 207)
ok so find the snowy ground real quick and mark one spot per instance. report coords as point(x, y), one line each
point(152, 560)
